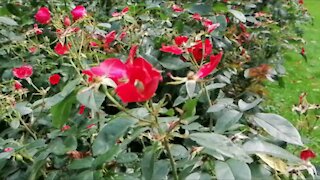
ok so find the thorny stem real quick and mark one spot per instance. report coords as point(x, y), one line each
point(28, 129)
point(166, 144)
point(210, 103)
point(119, 106)
point(173, 165)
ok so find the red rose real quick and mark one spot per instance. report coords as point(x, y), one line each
point(81, 109)
point(123, 12)
point(136, 80)
point(43, 15)
point(201, 50)
point(110, 37)
point(177, 8)
point(66, 21)
point(206, 69)
point(61, 49)
point(54, 79)
point(33, 49)
point(197, 17)
point(142, 81)
point(90, 126)
point(171, 49)
point(307, 154)
point(17, 85)
point(8, 149)
point(65, 128)
point(22, 72)
point(179, 40)
point(78, 12)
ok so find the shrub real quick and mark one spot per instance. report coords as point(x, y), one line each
point(145, 89)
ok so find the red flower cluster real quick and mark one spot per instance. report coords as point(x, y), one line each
point(307, 154)
point(136, 79)
point(22, 72)
point(200, 51)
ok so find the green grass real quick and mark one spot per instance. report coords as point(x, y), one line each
point(301, 77)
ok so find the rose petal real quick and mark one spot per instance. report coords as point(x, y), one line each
point(171, 49)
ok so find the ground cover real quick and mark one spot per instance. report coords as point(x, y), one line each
point(302, 76)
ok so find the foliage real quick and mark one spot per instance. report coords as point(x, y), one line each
point(145, 89)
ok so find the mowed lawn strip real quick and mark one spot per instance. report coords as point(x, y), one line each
point(301, 77)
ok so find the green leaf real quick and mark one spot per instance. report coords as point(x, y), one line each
point(85, 175)
point(226, 120)
point(109, 134)
point(15, 123)
point(191, 87)
point(244, 106)
point(147, 163)
point(239, 15)
point(8, 21)
point(257, 146)
point(240, 170)
point(220, 105)
point(151, 168)
point(91, 98)
point(81, 163)
point(161, 169)
point(174, 63)
point(127, 157)
point(221, 144)
point(68, 89)
point(189, 108)
point(278, 127)
point(60, 147)
point(260, 172)
point(22, 108)
point(107, 156)
point(202, 9)
point(198, 176)
point(61, 111)
point(223, 171)
point(130, 19)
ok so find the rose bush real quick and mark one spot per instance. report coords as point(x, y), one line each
point(146, 89)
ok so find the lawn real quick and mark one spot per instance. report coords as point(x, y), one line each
point(301, 77)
